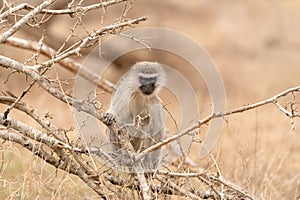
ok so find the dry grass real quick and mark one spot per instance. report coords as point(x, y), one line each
point(256, 46)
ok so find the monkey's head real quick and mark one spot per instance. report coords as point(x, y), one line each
point(148, 76)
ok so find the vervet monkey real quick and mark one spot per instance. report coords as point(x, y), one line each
point(136, 106)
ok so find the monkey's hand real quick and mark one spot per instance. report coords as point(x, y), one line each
point(108, 118)
point(141, 120)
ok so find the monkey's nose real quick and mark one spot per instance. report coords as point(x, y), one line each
point(147, 89)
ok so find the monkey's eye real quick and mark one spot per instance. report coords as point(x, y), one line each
point(147, 80)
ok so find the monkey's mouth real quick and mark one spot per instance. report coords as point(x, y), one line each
point(147, 89)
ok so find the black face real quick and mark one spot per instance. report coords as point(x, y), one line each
point(147, 89)
point(147, 85)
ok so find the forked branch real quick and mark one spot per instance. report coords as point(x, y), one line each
point(292, 114)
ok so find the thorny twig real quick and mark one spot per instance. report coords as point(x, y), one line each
point(212, 116)
point(24, 20)
point(69, 11)
point(67, 63)
point(77, 47)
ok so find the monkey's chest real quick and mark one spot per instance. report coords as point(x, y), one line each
point(139, 111)
point(139, 105)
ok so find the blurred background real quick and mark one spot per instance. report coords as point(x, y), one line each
point(255, 45)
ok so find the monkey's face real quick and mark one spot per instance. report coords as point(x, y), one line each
point(147, 85)
point(148, 77)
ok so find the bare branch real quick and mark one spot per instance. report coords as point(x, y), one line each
point(219, 115)
point(181, 191)
point(181, 175)
point(83, 8)
point(67, 63)
point(66, 165)
point(69, 11)
point(20, 97)
point(15, 9)
point(34, 113)
point(231, 186)
point(80, 105)
point(24, 20)
point(35, 134)
point(144, 185)
point(92, 37)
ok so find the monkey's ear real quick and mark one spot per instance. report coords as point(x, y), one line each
point(108, 118)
